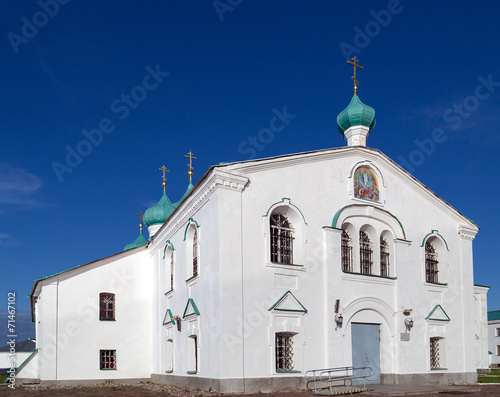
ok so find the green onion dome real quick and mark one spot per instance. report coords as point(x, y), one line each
point(357, 113)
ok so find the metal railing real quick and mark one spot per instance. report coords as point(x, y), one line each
point(329, 379)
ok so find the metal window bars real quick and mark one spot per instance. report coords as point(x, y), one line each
point(195, 254)
point(281, 240)
point(346, 248)
point(434, 352)
point(171, 270)
point(106, 306)
point(284, 351)
point(107, 359)
point(366, 253)
point(431, 263)
point(384, 257)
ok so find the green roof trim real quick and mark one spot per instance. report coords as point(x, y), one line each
point(429, 317)
point(289, 203)
point(168, 318)
point(337, 215)
point(489, 352)
point(167, 243)
point(284, 297)
point(481, 285)
point(190, 220)
point(435, 232)
point(494, 315)
point(193, 305)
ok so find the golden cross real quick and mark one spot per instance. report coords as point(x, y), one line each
point(355, 64)
point(190, 165)
point(140, 213)
point(164, 169)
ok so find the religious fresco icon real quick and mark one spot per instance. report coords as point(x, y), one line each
point(366, 184)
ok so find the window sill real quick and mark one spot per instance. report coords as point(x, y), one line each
point(288, 372)
point(108, 369)
point(169, 371)
point(190, 279)
point(435, 284)
point(439, 369)
point(169, 292)
point(370, 275)
point(192, 372)
point(300, 268)
point(107, 319)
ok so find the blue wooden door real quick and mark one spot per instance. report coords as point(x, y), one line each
point(366, 349)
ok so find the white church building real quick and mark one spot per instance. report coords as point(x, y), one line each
point(268, 268)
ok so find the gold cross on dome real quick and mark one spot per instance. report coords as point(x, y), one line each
point(164, 169)
point(140, 213)
point(354, 62)
point(190, 165)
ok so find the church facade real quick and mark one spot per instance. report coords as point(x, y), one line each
point(269, 268)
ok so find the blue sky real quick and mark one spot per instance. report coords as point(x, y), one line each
point(218, 72)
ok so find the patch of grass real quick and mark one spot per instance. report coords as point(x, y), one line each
point(495, 371)
point(488, 379)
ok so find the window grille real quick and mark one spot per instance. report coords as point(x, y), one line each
point(384, 257)
point(281, 240)
point(106, 306)
point(434, 353)
point(346, 252)
point(431, 263)
point(107, 359)
point(171, 270)
point(366, 253)
point(284, 351)
point(195, 253)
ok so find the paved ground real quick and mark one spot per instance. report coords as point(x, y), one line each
point(154, 390)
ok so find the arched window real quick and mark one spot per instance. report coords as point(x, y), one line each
point(384, 257)
point(195, 253)
point(431, 263)
point(346, 252)
point(281, 239)
point(365, 253)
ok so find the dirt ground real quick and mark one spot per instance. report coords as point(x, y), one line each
point(154, 390)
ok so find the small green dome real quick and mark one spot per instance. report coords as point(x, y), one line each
point(357, 113)
point(159, 213)
point(137, 242)
point(188, 190)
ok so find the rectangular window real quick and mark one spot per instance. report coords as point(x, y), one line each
point(434, 350)
point(106, 306)
point(284, 351)
point(497, 332)
point(498, 350)
point(107, 359)
point(366, 253)
point(431, 263)
point(195, 254)
point(192, 355)
point(170, 356)
point(172, 271)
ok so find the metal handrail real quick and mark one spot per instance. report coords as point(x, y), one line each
point(335, 377)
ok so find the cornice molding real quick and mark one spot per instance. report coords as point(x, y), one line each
point(466, 233)
point(219, 179)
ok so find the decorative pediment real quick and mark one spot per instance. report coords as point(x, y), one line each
point(438, 314)
point(168, 319)
point(288, 303)
point(190, 309)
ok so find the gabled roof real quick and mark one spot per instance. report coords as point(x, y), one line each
point(28, 345)
point(494, 315)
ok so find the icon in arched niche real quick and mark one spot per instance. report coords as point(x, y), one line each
point(366, 184)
